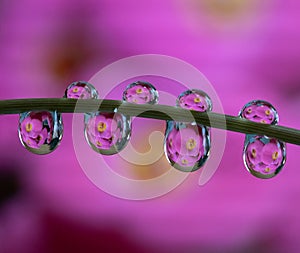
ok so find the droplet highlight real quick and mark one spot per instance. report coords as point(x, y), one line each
point(187, 145)
point(263, 157)
point(40, 132)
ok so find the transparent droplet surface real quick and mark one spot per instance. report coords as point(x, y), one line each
point(260, 111)
point(81, 90)
point(140, 93)
point(40, 132)
point(187, 145)
point(263, 157)
point(196, 100)
point(107, 133)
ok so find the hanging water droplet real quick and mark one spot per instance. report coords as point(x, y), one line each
point(107, 133)
point(81, 90)
point(263, 157)
point(187, 145)
point(40, 132)
point(140, 92)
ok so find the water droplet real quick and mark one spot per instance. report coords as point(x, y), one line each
point(81, 90)
point(187, 145)
point(40, 132)
point(260, 111)
point(140, 93)
point(107, 133)
point(196, 100)
point(263, 157)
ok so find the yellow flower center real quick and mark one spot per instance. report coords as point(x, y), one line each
point(267, 170)
point(28, 127)
point(184, 161)
point(138, 90)
point(275, 155)
point(249, 110)
point(191, 144)
point(268, 112)
point(101, 127)
point(263, 121)
point(253, 153)
point(197, 100)
point(75, 90)
point(99, 143)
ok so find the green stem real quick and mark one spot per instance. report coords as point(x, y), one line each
point(161, 112)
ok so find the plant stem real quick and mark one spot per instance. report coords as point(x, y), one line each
point(161, 112)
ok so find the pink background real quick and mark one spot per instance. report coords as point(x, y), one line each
point(248, 50)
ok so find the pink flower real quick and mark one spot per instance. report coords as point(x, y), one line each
point(247, 49)
point(185, 146)
point(258, 112)
point(81, 90)
point(77, 92)
point(194, 101)
point(188, 142)
point(36, 129)
point(187, 161)
point(32, 127)
point(254, 151)
point(271, 153)
point(140, 93)
point(37, 141)
point(264, 155)
point(103, 143)
point(102, 130)
point(265, 169)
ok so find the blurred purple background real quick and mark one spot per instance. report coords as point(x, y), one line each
point(246, 48)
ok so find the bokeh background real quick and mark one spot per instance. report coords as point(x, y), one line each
point(248, 49)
